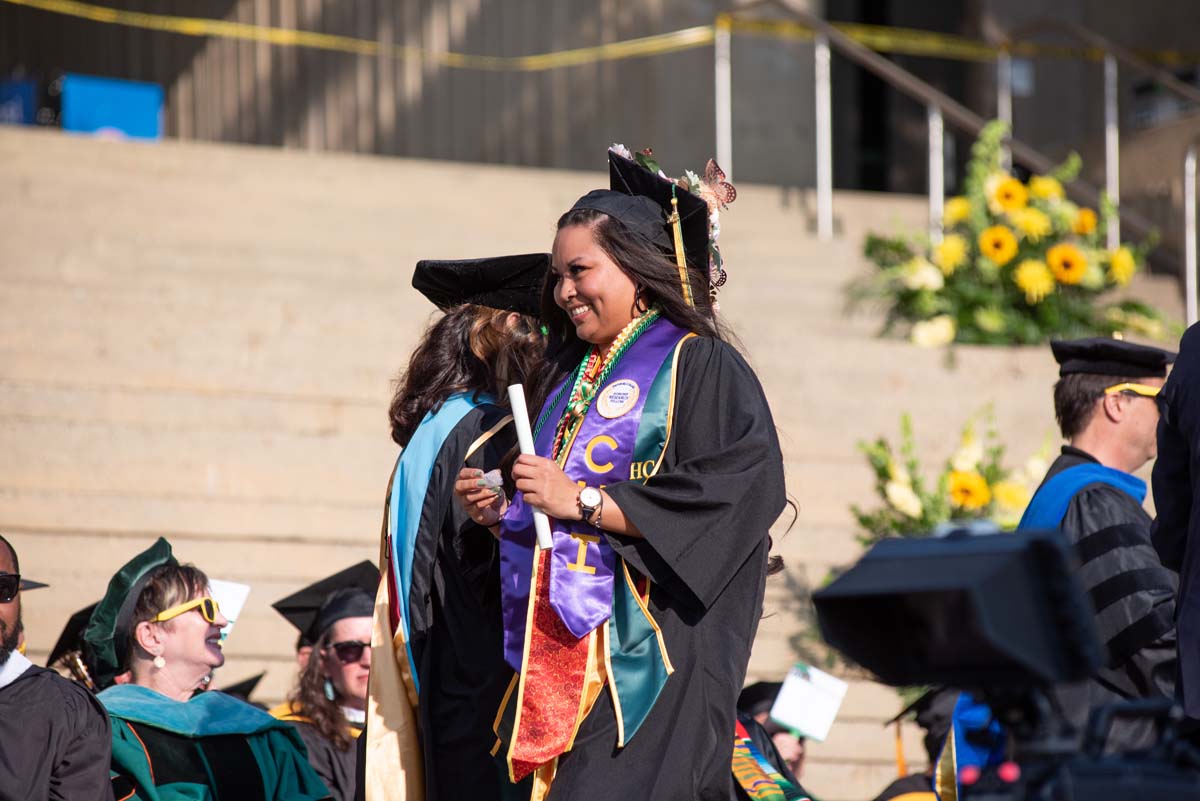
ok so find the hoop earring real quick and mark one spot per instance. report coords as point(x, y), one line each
point(639, 302)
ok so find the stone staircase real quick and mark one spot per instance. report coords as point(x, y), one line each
point(198, 341)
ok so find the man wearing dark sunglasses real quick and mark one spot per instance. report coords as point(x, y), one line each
point(55, 740)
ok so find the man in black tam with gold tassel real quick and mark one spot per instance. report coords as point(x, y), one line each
point(1105, 403)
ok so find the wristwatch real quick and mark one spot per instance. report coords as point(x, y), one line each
point(590, 501)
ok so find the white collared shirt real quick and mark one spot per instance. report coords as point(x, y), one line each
point(14, 667)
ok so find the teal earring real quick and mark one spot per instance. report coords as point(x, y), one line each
point(329, 689)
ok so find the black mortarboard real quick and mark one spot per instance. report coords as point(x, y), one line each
point(243, 688)
point(758, 697)
point(932, 712)
point(71, 638)
point(341, 604)
point(630, 178)
point(30, 584)
point(302, 607)
point(1112, 357)
point(106, 636)
point(513, 283)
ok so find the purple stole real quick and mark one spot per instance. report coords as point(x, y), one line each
point(582, 563)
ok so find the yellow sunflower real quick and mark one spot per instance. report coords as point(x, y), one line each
point(1121, 266)
point(1011, 500)
point(1034, 278)
point(1011, 495)
point(1067, 263)
point(950, 253)
point(1009, 194)
point(1085, 222)
point(969, 490)
point(1031, 222)
point(957, 209)
point(998, 244)
point(1045, 188)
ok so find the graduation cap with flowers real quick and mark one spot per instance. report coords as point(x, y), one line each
point(680, 216)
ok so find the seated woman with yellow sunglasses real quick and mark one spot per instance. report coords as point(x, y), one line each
point(156, 635)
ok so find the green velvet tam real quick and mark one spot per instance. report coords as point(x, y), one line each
point(106, 638)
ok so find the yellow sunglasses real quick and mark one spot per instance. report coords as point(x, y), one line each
point(1144, 390)
point(207, 606)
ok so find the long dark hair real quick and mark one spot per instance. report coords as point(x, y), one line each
point(308, 699)
point(468, 349)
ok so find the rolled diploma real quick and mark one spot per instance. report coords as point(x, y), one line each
point(516, 400)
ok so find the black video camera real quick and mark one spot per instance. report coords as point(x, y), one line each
point(1003, 617)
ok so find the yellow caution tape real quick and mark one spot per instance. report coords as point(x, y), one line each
point(913, 42)
point(903, 41)
point(883, 39)
point(674, 41)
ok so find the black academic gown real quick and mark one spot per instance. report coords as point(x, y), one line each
point(1134, 599)
point(456, 628)
point(1176, 484)
point(337, 768)
point(705, 517)
point(55, 740)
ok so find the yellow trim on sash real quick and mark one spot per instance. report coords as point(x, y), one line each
point(485, 436)
point(512, 685)
point(533, 581)
point(662, 645)
point(945, 775)
point(612, 687)
point(543, 777)
point(671, 403)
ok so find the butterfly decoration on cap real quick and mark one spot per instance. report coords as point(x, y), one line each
point(714, 188)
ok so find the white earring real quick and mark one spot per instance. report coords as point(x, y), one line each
point(159, 662)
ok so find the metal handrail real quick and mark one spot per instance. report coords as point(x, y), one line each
point(949, 109)
point(1092, 39)
point(1113, 53)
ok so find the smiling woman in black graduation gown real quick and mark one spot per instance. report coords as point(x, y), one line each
point(632, 693)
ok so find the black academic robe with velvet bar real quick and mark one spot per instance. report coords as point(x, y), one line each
point(705, 517)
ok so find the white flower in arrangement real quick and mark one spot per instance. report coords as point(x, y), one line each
point(969, 454)
point(897, 473)
point(935, 332)
point(621, 150)
point(1034, 470)
point(903, 499)
point(920, 273)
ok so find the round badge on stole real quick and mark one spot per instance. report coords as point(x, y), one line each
point(617, 398)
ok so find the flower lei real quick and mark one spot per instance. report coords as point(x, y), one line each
point(591, 374)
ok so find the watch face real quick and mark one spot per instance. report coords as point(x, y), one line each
point(590, 497)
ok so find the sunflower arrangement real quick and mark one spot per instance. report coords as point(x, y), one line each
point(973, 484)
point(1018, 264)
